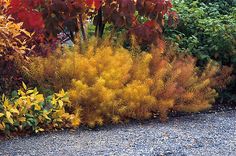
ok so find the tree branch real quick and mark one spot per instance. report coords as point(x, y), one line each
point(82, 27)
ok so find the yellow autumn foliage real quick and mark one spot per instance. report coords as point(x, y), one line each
point(14, 44)
point(13, 38)
point(109, 84)
point(29, 110)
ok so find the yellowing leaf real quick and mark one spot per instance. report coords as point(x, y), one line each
point(37, 107)
point(1, 115)
point(60, 103)
point(8, 115)
point(2, 126)
point(65, 115)
point(39, 130)
point(22, 119)
point(75, 122)
point(6, 103)
point(24, 85)
point(14, 110)
point(3, 97)
point(29, 91)
point(54, 101)
point(39, 97)
point(26, 32)
point(20, 92)
point(61, 93)
point(46, 116)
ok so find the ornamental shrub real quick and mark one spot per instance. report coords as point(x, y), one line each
point(109, 84)
point(27, 110)
point(60, 20)
point(180, 86)
point(13, 46)
point(206, 29)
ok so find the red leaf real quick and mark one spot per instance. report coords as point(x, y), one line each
point(96, 4)
point(24, 11)
point(150, 23)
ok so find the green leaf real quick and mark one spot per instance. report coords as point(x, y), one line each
point(14, 94)
point(29, 116)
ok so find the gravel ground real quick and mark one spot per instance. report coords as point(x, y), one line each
point(200, 134)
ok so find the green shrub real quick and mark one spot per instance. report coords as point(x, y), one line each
point(206, 29)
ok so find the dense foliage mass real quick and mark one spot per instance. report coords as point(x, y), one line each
point(206, 29)
point(109, 84)
point(27, 110)
point(14, 43)
point(51, 18)
point(94, 81)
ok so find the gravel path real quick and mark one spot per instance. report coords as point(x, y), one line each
point(200, 134)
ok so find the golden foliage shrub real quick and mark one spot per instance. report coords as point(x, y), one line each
point(180, 86)
point(29, 110)
point(13, 45)
point(13, 38)
point(108, 84)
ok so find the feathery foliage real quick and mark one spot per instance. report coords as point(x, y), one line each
point(109, 84)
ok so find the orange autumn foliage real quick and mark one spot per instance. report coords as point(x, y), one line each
point(109, 84)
